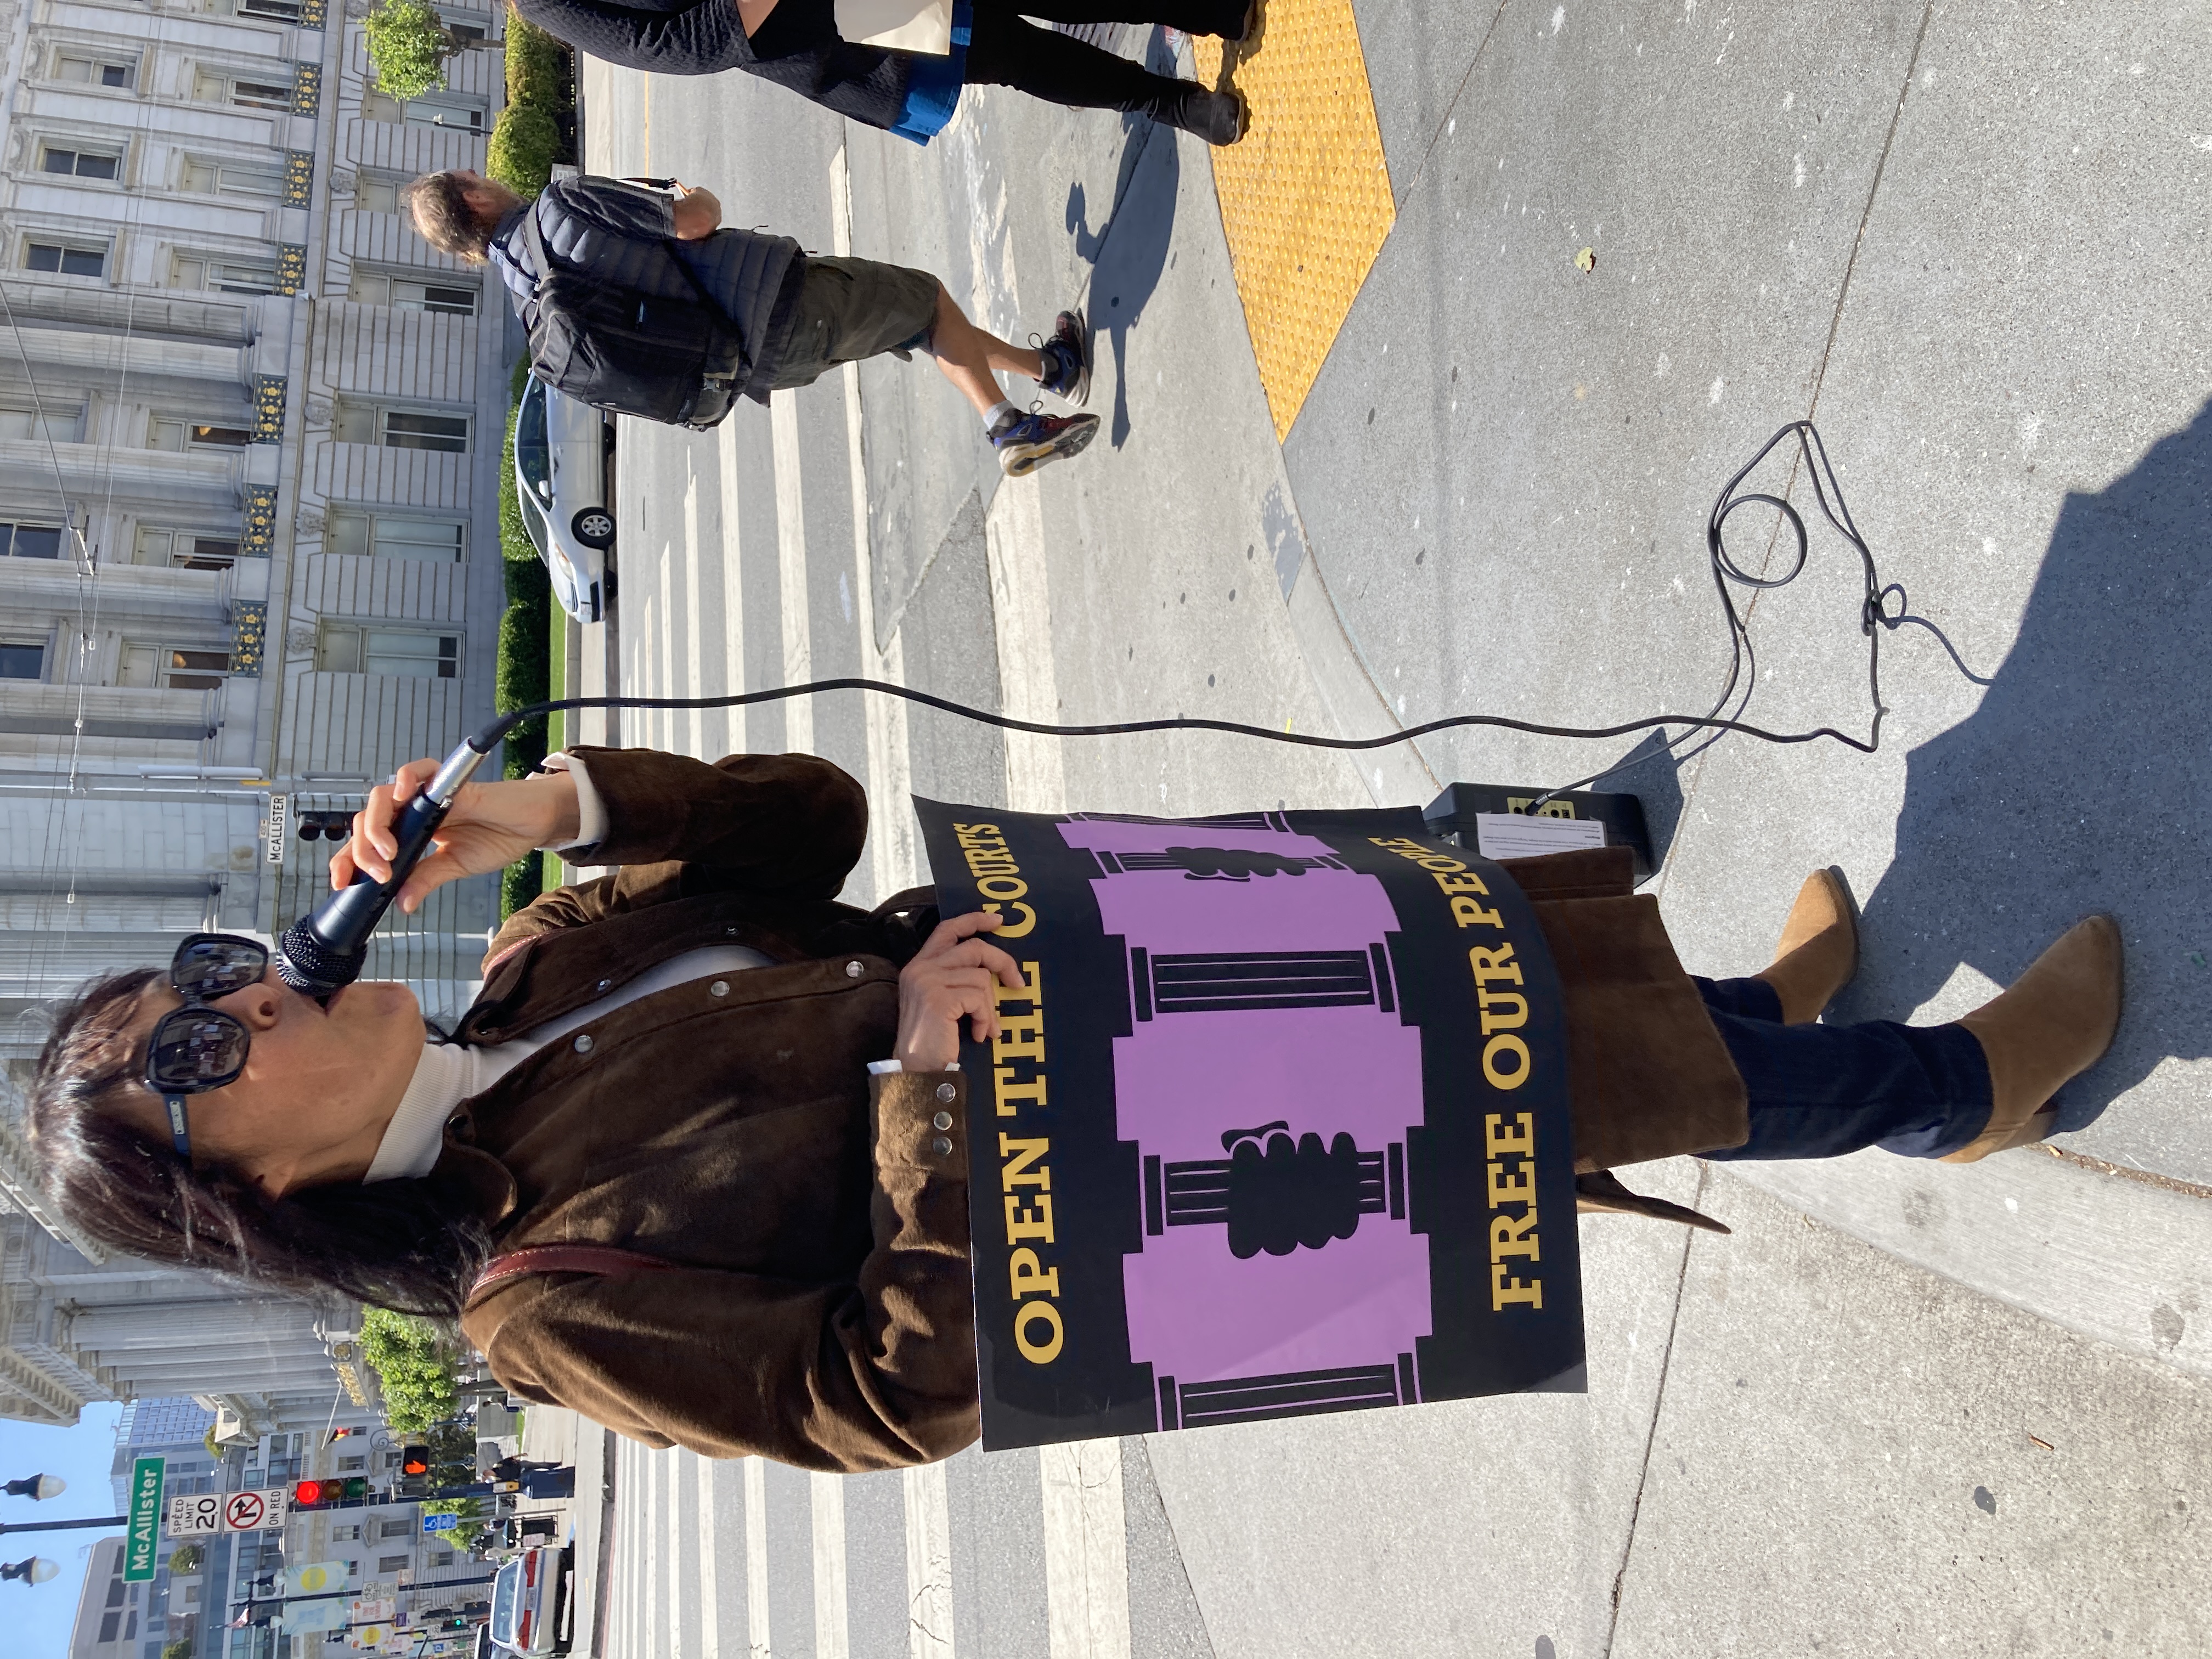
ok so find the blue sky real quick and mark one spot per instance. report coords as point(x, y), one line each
point(37, 1616)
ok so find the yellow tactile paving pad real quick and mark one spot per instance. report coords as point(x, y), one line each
point(1305, 197)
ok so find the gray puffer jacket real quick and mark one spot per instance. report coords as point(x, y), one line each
point(625, 236)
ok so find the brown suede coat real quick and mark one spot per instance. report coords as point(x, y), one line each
point(822, 1314)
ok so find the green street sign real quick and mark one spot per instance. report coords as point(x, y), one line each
point(139, 1545)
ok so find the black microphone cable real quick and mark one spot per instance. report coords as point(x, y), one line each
point(320, 953)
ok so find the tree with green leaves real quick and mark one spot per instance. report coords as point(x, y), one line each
point(407, 45)
point(180, 1649)
point(414, 1364)
point(185, 1560)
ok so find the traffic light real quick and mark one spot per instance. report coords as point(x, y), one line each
point(414, 1470)
point(330, 1494)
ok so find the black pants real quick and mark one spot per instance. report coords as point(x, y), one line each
point(1823, 1091)
point(1006, 51)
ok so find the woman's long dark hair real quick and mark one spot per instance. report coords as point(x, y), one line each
point(413, 1245)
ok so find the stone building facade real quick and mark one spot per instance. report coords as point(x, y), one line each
point(249, 450)
point(249, 442)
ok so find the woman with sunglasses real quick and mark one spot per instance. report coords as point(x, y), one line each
point(703, 1057)
point(694, 1165)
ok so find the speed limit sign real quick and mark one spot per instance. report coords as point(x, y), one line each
point(199, 1513)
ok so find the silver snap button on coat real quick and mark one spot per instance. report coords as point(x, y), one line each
point(941, 1146)
point(946, 1092)
point(720, 987)
point(604, 983)
point(942, 1121)
point(854, 970)
point(584, 1043)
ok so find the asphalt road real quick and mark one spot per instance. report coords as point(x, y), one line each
point(1907, 1408)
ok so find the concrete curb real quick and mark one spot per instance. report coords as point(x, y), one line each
point(2124, 1261)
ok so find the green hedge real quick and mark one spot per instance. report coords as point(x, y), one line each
point(524, 672)
point(537, 65)
point(525, 139)
point(525, 143)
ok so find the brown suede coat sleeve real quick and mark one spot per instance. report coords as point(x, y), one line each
point(822, 1314)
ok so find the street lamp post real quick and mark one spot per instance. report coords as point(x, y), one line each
point(38, 1488)
point(35, 1570)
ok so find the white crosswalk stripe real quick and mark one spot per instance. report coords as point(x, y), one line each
point(928, 1565)
point(1086, 1564)
point(791, 571)
point(757, 1557)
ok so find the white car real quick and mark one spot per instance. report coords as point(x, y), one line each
point(530, 1615)
point(560, 473)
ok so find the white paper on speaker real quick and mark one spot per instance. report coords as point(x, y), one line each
point(918, 26)
point(1528, 836)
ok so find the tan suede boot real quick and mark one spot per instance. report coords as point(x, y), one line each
point(1818, 951)
point(2055, 1022)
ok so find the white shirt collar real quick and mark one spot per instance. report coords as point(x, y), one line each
point(444, 1078)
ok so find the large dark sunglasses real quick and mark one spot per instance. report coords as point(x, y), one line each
point(197, 1048)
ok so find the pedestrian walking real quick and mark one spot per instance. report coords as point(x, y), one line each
point(791, 316)
point(706, 1125)
point(796, 44)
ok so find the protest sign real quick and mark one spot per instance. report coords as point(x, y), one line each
point(1277, 1124)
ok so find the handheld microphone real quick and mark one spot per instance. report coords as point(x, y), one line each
point(323, 953)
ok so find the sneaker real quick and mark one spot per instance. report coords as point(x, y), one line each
point(1067, 358)
point(1026, 442)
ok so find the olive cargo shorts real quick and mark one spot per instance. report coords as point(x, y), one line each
point(849, 309)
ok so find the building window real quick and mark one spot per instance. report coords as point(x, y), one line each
point(31, 541)
point(454, 298)
point(377, 193)
point(285, 11)
point(257, 180)
point(352, 1465)
point(75, 161)
point(176, 432)
point(95, 70)
point(436, 109)
point(441, 1558)
point(60, 426)
point(223, 273)
point(217, 86)
point(396, 536)
point(345, 1534)
point(184, 549)
point(385, 1564)
point(352, 648)
point(388, 1528)
point(401, 428)
point(109, 1623)
point(66, 258)
point(179, 669)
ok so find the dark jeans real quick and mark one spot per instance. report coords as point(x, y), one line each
point(1045, 64)
point(1823, 1091)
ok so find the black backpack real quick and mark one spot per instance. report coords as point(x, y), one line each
point(681, 362)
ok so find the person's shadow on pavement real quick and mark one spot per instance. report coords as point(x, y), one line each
point(2082, 783)
point(1128, 253)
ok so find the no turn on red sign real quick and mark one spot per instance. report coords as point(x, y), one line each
point(226, 1511)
